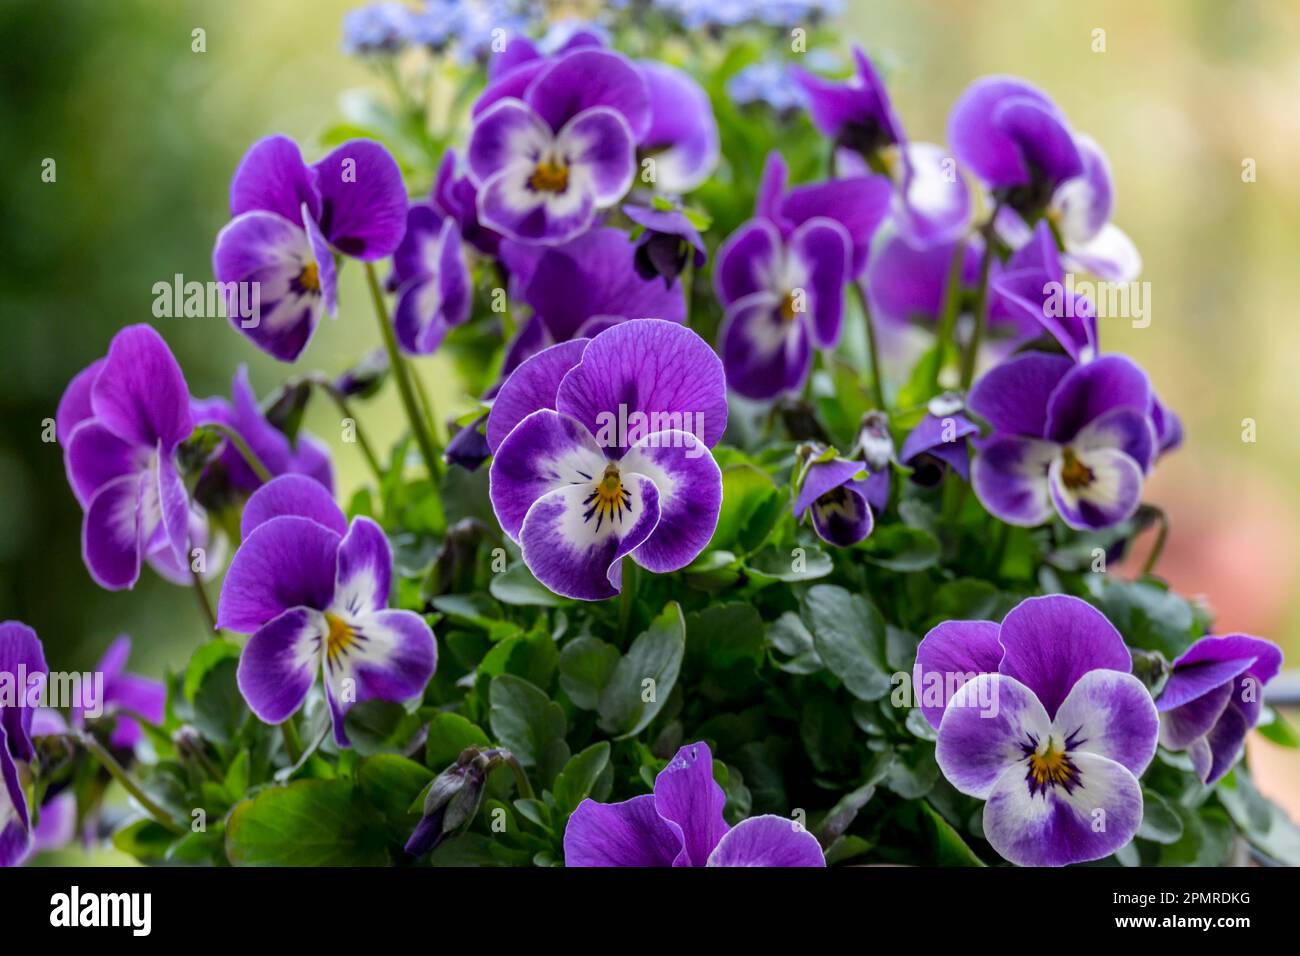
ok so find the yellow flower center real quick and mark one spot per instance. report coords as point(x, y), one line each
point(340, 636)
point(1074, 473)
point(609, 499)
point(1051, 768)
point(550, 176)
point(789, 307)
point(309, 278)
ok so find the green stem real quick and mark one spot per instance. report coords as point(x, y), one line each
point(118, 773)
point(948, 321)
point(241, 446)
point(426, 406)
point(205, 605)
point(878, 383)
point(402, 374)
point(521, 778)
point(688, 285)
point(627, 596)
point(343, 405)
point(1158, 547)
point(981, 301)
point(292, 743)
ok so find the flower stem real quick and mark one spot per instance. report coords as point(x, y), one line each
point(688, 286)
point(205, 605)
point(521, 778)
point(292, 743)
point(118, 773)
point(345, 407)
point(981, 301)
point(948, 321)
point(403, 376)
point(878, 383)
point(627, 596)
point(241, 446)
point(1158, 547)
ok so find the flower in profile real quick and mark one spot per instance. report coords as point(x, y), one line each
point(120, 422)
point(313, 593)
point(601, 451)
point(1040, 717)
point(836, 491)
point(681, 824)
point(940, 442)
point(434, 291)
point(1074, 439)
point(547, 157)
point(668, 241)
point(1212, 699)
point(288, 219)
point(682, 140)
point(15, 823)
point(125, 697)
point(856, 113)
point(455, 197)
point(875, 447)
point(22, 665)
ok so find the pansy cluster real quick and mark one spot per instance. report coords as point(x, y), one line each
point(756, 536)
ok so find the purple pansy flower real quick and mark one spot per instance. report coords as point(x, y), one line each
point(313, 593)
point(683, 134)
point(120, 421)
point(306, 455)
point(22, 666)
point(875, 447)
point(681, 824)
point(1074, 439)
point(125, 695)
point(15, 824)
point(287, 220)
point(940, 441)
point(1212, 698)
point(855, 113)
point(432, 280)
point(455, 196)
point(836, 490)
point(546, 158)
point(667, 243)
point(1040, 717)
point(601, 451)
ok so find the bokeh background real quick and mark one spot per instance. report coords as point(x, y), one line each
point(145, 134)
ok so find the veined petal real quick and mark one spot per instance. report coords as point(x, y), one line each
point(1010, 478)
point(951, 654)
point(690, 801)
point(272, 177)
point(174, 508)
point(1226, 737)
point(20, 650)
point(94, 456)
point(1056, 827)
point(1110, 714)
point(842, 516)
point(14, 821)
point(363, 200)
point(822, 247)
point(683, 134)
point(1213, 660)
point(589, 78)
point(1110, 490)
point(280, 662)
point(507, 133)
point(1181, 726)
point(74, 406)
point(532, 386)
point(858, 203)
point(746, 259)
point(1013, 396)
point(141, 395)
point(598, 146)
point(286, 562)
point(418, 318)
point(767, 840)
point(545, 452)
point(112, 532)
point(987, 725)
point(630, 833)
point(689, 484)
point(292, 495)
point(365, 569)
point(1086, 392)
point(764, 353)
point(1125, 429)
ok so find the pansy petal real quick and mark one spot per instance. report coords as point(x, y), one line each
point(1124, 429)
point(1088, 391)
point(821, 247)
point(599, 147)
point(932, 205)
point(280, 662)
point(689, 484)
point(987, 724)
point(1193, 719)
point(174, 506)
point(1013, 396)
point(842, 516)
point(574, 547)
point(530, 387)
point(821, 477)
point(1110, 492)
point(989, 148)
point(630, 833)
point(858, 203)
point(1044, 140)
point(95, 456)
point(591, 77)
point(1083, 205)
point(272, 177)
point(507, 133)
point(75, 404)
point(418, 319)
point(1110, 714)
point(284, 563)
point(1110, 255)
point(1052, 641)
point(365, 569)
point(683, 135)
point(15, 839)
point(768, 840)
point(388, 655)
point(745, 261)
point(141, 395)
point(1056, 828)
point(764, 353)
point(21, 651)
point(292, 495)
point(111, 533)
point(544, 452)
point(949, 655)
point(653, 367)
point(1227, 736)
point(690, 801)
point(508, 203)
point(1010, 478)
point(1266, 658)
point(363, 199)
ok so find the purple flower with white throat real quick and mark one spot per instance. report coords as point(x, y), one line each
point(431, 275)
point(837, 492)
point(548, 159)
point(1072, 439)
point(120, 422)
point(1213, 697)
point(940, 441)
point(124, 698)
point(668, 241)
point(288, 219)
point(1041, 717)
point(681, 824)
point(313, 593)
point(601, 451)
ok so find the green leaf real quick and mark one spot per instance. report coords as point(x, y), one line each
point(1261, 821)
point(579, 775)
point(1149, 617)
point(523, 718)
point(949, 848)
point(774, 563)
point(307, 823)
point(1160, 822)
point(391, 783)
point(145, 840)
point(1273, 726)
point(448, 735)
point(902, 548)
point(645, 675)
point(376, 726)
point(209, 654)
point(517, 586)
point(748, 510)
point(788, 635)
point(586, 664)
point(219, 708)
point(726, 634)
point(532, 656)
point(849, 635)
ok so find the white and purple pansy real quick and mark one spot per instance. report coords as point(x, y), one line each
point(288, 219)
point(120, 422)
point(837, 492)
point(681, 824)
point(1075, 440)
point(940, 441)
point(313, 593)
point(1040, 717)
point(431, 275)
point(548, 159)
point(1213, 698)
point(601, 451)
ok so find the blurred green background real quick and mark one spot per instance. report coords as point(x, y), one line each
point(145, 134)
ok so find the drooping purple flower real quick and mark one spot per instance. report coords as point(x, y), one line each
point(1074, 439)
point(1168, 426)
point(288, 218)
point(668, 242)
point(23, 672)
point(432, 279)
point(1032, 288)
point(681, 824)
point(15, 824)
point(1212, 699)
point(313, 593)
point(120, 421)
point(125, 695)
point(856, 113)
point(1041, 717)
point(875, 447)
point(468, 447)
point(940, 441)
point(306, 455)
point(836, 491)
point(547, 157)
point(601, 451)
